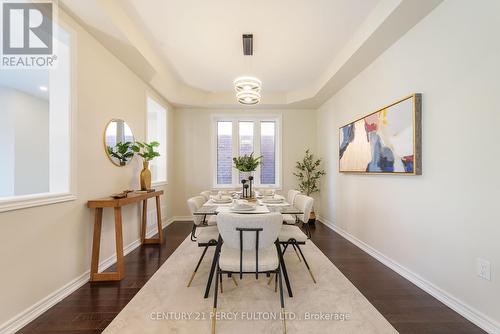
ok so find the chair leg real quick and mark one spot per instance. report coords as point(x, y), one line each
point(295, 249)
point(307, 265)
point(197, 266)
point(193, 232)
point(213, 267)
point(283, 268)
point(234, 280)
point(220, 278)
point(270, 280)
point(282, 300)
point(214, 315)
point(275, 283)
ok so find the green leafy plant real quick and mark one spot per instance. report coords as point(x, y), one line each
point(122, 152)
point(247, 163)
point(309, 172)
point(146, 150)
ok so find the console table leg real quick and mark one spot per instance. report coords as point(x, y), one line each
point(144, 223)
point(96, 242)
point(158, 219)
point(151, 241)
point(120, 266)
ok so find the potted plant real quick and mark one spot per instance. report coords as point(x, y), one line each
point(309, 172)
point(148, 153)
point(121, 152)
point(246, 164)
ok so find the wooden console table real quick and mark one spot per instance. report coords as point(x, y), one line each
point(116, 204)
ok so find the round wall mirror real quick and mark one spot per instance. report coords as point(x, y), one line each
point(118, 139)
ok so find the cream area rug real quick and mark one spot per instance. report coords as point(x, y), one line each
point(166, 305)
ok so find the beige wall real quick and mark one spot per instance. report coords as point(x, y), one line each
point(193, 148)
point(46, 247)
point(436, 225)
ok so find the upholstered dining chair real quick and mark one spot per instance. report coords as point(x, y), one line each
point(206, 194)
point(291, 219)
point(250, 246)
point(293, 235)
point(205, 236)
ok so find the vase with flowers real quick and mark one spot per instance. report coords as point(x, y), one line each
point(246, 165)
point(147, 152)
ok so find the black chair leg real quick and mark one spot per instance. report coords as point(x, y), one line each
point(275, 283)
point(307, 265)
point(197, 266)
point(214, 311)
point(221, 288)
point(283, 267)
point(295, 249)
point(282, 299)
point(212, 269)
point(193, 233)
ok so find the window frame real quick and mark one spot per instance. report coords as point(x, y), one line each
point(33, 200)
point(155, 100)
point(256, 119)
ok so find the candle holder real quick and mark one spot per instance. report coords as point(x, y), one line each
point(245, 189)
point(243, 183)
point(250, 181)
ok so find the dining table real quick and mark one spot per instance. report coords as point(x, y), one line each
point(211, 208)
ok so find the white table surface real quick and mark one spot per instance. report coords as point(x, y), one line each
point(258, 209)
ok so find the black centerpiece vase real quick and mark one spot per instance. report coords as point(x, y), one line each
point(250, 181)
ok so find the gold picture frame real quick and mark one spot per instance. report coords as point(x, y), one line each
point(356, 129)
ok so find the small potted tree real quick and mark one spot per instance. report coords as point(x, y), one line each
point(308, 173)
point(148, 153)
point(122, 152)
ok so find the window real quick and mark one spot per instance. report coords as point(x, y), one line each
point(157, 131)
point(244, 135)
point(268, 152)
point(224, 153)
point(36, 132)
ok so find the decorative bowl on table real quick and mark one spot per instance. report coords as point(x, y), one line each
point(243, 205)
point(268, 192)
point(273, 199)
point(221, 199)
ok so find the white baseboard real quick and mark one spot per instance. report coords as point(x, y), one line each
point(31, 313)
point(468, 312)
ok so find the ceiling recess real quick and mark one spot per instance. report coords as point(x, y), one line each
point(248, 44)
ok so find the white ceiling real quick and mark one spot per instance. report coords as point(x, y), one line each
point(190, 51)
point(294, 40)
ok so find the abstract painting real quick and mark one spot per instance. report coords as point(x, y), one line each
point(387, 141)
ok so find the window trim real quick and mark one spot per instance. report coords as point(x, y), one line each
point(42, 199)
point(154, 99)
point(235, 119)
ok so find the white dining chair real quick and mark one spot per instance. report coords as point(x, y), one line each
point(250, 246)
point(206, 194)
point(204, 236)
point(293, 235)
point(291, 219)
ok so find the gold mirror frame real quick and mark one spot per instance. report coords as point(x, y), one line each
point(115, 161)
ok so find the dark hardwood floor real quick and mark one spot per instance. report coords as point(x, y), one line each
point(409, 309)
